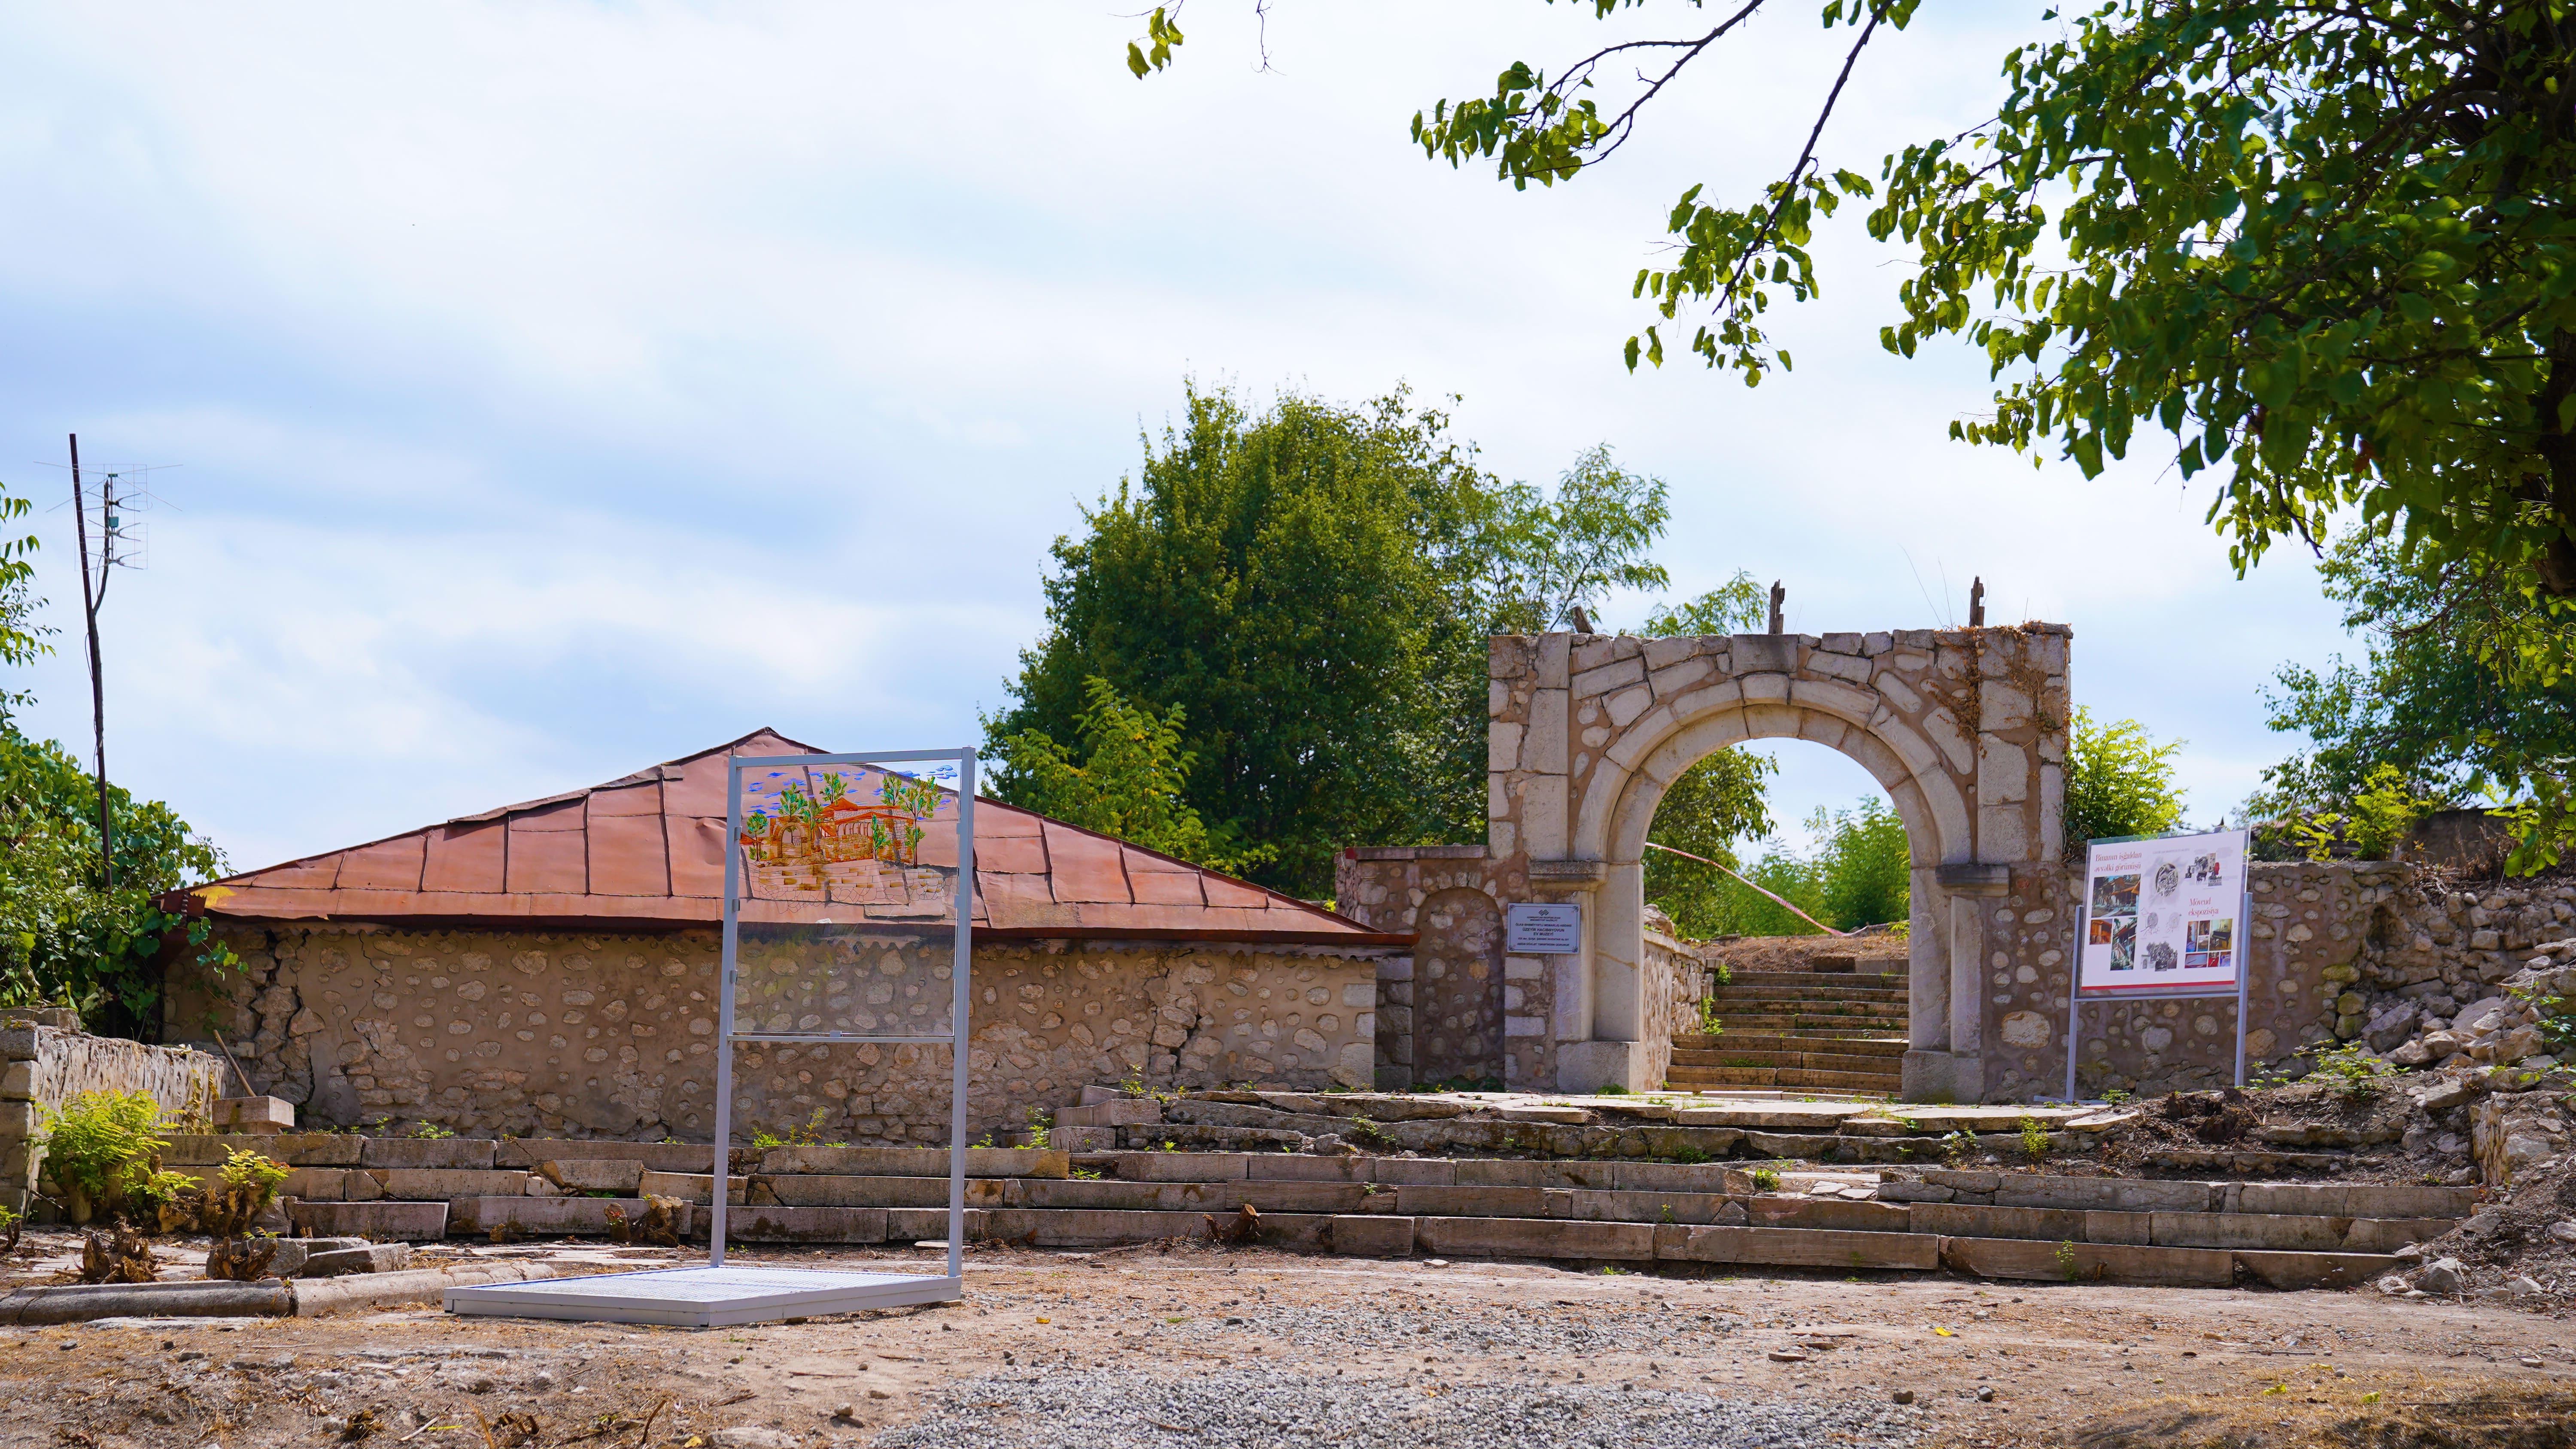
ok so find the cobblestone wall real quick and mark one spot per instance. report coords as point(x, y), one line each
point(41, 1065)
point(487, 1032)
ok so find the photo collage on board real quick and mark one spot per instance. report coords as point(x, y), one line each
point(2163, 913)
point(2114, 921)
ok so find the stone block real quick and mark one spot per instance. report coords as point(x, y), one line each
point(1964, 1181)
point(18, 1082)
point(810, 1190)
point(1481, 1172)
point(1091, 1228)
point(2356, 1200)
point(2101, 1194)
point(2133, 1228)
point(1958, 1220)
point(375, 1221)
point(369, 1258)
point(427, 1152)
point(2280, 1232)
point(918, 1225)
point(18, 1043)
point(694, 1187)
point(314, 1184)
point(1117, 1195)
point(2315, 1270)
point(814, 1225)
point(1371, 1235)
point(2036, 1260)
point(1479, 1202)
point(1647, 1207)
point(253, 1114)
point(1327, 1198)
point(1085, 1139)
point(1412, 1171)
point(295, 1149)
point(550, 1216)
point(1298, 1167)
point(1669, 1177)
point(1124, 1112)
point(1914, 1192)
point(622, 1176)
point(656, 1156)
point(1459, 1237)
point(1182, 1166)
point(916, 1161)
point(438, 1184)
point(1825, 1213)
point(1796, 1247)
point(2387, 1235)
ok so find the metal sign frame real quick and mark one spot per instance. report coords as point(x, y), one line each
point(2076, 995)
point(960, 992)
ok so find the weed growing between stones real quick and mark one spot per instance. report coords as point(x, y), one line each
point(2034, 1139)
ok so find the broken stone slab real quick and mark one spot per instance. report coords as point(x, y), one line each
point(2062, 1261)
point(375, 1221)
point(1796, 1247)
point(290, 1254)
point(694, 1187)
point(1125, 1112)
point(915, 1161)
point(1534, 1238)
point(81, 1302)
point(2293, 1270)
point(365, 1258)
point(799, 1190)
point(468, 1153)
point(551, 1216)
point(416, 1285)
point(623, 1176)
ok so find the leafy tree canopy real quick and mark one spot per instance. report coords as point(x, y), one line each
point(1130, 786)
point(2119, 781)
point(63, 937)
point(1294, 606)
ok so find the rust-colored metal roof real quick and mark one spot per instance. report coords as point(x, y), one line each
point(646, 851)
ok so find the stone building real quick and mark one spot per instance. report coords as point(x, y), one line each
point(550, 968)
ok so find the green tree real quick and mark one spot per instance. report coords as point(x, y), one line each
point(1858, 873)
point(2325, 250)
point(1552, 555)
point(1130, 786)
point(2119, 781)
point(1715, 803)
point(1737, 606)
point(1308, 587)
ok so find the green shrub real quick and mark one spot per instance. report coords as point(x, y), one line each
point(2383, 811)
point(2034, 1139)
point(1764, 1179)
point(98, 1147)
point(2118, 782)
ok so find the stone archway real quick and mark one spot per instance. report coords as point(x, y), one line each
point(1458, 988)
point(1965, 729)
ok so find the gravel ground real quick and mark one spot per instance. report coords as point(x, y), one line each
point(1479, 1329)
point(1112, 1409)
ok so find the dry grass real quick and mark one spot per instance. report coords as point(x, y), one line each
point(2407, 1414)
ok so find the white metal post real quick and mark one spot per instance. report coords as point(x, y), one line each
point(724, 1015)
point(2244, 945)
point(961, 1004)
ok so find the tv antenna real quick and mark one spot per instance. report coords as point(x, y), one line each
point(120, 543)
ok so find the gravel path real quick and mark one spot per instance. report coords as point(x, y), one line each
point(1471, 1328)
point(1234, 1409)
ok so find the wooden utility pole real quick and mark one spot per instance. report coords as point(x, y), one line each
point(91, 598)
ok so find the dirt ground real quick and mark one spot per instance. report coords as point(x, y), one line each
point(1083, 1348)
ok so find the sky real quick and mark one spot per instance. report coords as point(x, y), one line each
point(540, 390)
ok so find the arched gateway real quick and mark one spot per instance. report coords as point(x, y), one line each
point(1965, 729)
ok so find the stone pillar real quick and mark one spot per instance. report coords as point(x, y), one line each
point(1961, 898)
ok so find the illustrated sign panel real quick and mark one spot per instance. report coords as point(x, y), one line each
point(2164, 914)
point(1543, 928)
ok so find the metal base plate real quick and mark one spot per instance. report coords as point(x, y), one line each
point(702, 1297)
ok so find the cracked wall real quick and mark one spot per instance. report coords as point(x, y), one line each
point(600, 1035)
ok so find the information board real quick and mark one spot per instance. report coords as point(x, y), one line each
point(1543, 928)
point(2164, 915)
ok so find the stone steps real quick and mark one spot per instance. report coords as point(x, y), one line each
point(1736, 1043)
point(1806, 1078)
point(1988, 1224)
point(1806, 1022)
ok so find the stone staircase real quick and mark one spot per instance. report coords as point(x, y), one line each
point(1839, 1027)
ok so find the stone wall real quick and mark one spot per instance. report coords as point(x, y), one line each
point(1676, 983)
point(42, 1065)
point(1386, 889)
point(532, 1033)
